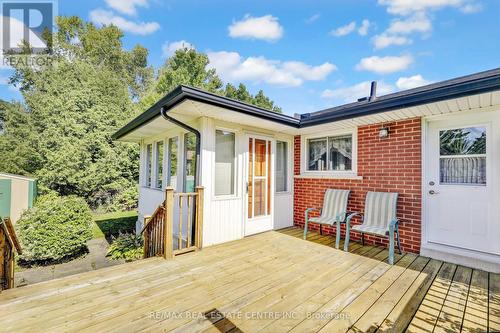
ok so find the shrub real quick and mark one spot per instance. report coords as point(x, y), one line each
point(127, 199)
point(126, 246)
point(56, 228)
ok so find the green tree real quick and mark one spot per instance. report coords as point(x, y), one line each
point(72, 109)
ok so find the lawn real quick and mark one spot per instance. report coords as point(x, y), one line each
point(111, 224)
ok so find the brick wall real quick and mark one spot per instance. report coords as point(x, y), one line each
point(391, 164)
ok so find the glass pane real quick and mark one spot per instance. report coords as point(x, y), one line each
point(260, 197)
point(224, 163)
point(250, 174)
point(268, 177)
point(260, 158)
point(281, 166)
point(340, 153)
point(149, 157)
point(159, 164)
point(172, 162)
point(463, 141)
point(463, 170)
point(190, 158)
point(317, 154)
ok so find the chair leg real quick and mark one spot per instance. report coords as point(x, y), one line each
point(337, 235)
point(363, 239)
point(321, 229)
point(347, 235)
point(399, 243)
point(391, 246)
point(305, 226)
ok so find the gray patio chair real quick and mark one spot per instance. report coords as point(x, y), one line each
point(379, 219)
point(334, 211)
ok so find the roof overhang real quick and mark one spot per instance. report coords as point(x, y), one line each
point(215, 106)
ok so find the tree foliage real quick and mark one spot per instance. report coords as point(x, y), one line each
point(72, 109)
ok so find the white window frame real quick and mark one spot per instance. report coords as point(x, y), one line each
point(235, 171)
point(304, 156)
point(154, 177)
point(145, 172)
point(289, 170)
point(167, 163)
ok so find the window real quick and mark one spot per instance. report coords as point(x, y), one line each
point(149, 157)
point(462, 157)
point(190, 158)
point(159, 164)
point(224, 162)
point(332, 153)
point(172, 162)
point(281, 169)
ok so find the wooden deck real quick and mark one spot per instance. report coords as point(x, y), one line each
point(271, 282)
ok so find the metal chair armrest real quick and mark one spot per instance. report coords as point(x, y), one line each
point(351, 215)
point(394, 223)
point(310, 209)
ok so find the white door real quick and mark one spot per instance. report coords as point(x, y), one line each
point(259, 185)
point(462, 170)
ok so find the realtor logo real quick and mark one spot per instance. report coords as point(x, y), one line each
point(30, 21)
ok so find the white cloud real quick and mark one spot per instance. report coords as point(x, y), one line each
point(168, 49)
point(128, 7)
point(471, 8)
point(105, 17)
point(385, 65)
point(406, 7)
point(384, 40)
point(313, 18)
point(265, 27)
point(416, 23)
point(363, 29)
point(344, 30)
point(352, 93)
point(233, 67)
point(410, 82)
point(307, 72)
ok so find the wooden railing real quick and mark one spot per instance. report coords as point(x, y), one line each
point(165, 237)
point(8, 244)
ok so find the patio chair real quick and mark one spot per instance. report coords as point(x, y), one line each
point(334, 211)
point(379, 219)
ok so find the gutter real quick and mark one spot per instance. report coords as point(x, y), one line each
point(165, 115)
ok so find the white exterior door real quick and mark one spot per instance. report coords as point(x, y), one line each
point(259, 185)
point(462, 173)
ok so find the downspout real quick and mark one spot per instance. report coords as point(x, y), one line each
point(165, 115)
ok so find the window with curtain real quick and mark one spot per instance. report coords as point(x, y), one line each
point(172, 162)
point(159, 147)
point(149, 157)
point(281, 169)
point(462, 157)
point(333, 153)
point(224, 162)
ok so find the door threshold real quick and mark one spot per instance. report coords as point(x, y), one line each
point(478, 260)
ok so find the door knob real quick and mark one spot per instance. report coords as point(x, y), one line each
point(433, 192)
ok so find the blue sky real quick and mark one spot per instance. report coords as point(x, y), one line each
point(309, 55)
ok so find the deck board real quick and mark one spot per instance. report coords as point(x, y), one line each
point(270, 282)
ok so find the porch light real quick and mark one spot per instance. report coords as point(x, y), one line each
point(383, 132)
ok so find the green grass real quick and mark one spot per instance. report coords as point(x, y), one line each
point(111, 224)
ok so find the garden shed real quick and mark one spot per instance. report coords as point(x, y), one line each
point(17, 193)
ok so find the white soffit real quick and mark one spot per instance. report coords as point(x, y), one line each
point(482, 102)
